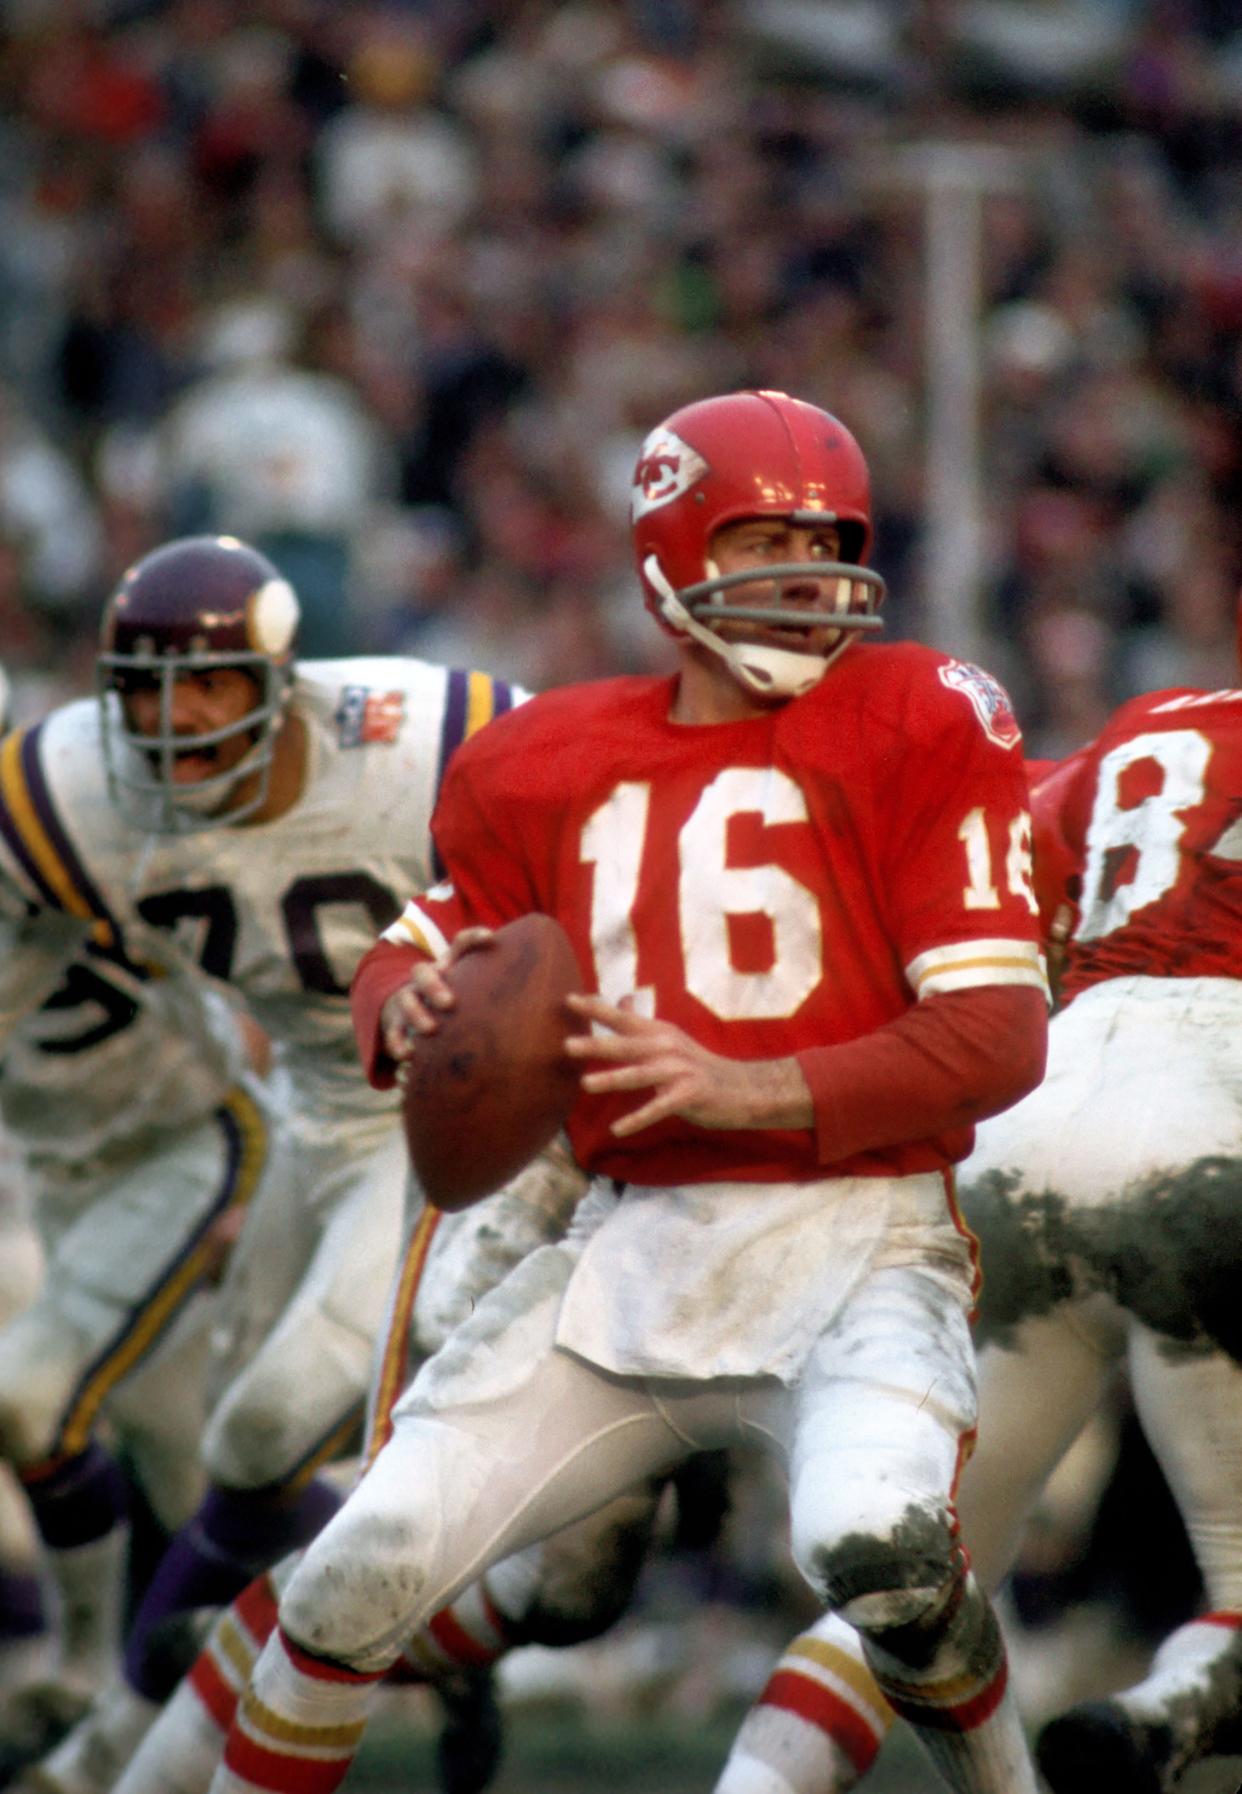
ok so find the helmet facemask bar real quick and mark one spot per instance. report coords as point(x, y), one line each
point(139, 768)
point(769, 671)
point(855, 601)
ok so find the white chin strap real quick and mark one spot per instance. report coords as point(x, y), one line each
point(767, 672)
point(770, 672)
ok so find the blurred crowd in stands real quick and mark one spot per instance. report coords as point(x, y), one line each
point(394, 290)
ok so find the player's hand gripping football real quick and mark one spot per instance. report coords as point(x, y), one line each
point(415, 1009)
point(641, 1053)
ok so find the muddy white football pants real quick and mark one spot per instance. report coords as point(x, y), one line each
point(1116, 1183)
point(503, 1439)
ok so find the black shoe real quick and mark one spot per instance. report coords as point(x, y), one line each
point(36, 1718)
point(1096, 1749)
point(169, 1650)
point(472, 1737)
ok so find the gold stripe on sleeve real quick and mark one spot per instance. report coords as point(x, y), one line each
point(480, 702)
point(20, 805)
point(1019, 969)
point(413, 929)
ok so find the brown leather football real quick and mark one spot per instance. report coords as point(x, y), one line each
point(493, 1085)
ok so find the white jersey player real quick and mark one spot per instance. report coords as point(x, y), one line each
point(219, 811)
point(22, 1607)
point(21, 1271)
point(137, 1126)
point(141, 1130)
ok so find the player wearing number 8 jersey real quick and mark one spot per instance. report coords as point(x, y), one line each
point(221, 811)
point(1106, 1208)
point(1114, 1190)
point(797, 882)
point(1106, 1205)
point(1150, 814)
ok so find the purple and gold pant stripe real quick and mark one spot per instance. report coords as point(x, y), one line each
point(244, 1131)
point(394, 1356)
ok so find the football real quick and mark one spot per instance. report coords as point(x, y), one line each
point(493, 1085)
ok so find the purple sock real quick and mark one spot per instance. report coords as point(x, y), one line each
point(79, 1501)
point(235, 1534)
point(21, 1606)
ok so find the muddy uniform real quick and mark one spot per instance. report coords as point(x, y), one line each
point(773, 858)
point(140, 1129)
point(1107, 1208)
point(711, 1280)
point(1107, 1202)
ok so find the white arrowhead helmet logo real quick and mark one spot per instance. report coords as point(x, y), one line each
point(667, 467)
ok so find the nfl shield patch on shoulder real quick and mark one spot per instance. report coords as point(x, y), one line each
point(988, 699)
point(364, 716)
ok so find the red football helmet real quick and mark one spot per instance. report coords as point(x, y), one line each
point(752, 454)
point(194, 604)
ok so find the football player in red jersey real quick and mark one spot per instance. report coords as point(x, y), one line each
point(1119, 1181)
point(797, 878)
point(1106, 1208)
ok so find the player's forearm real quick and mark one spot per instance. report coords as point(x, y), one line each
point(773, 1093)
point(944, 1065)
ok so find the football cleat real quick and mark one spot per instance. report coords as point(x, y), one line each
point(1097, 1746)
point(33, 1720)
point(471, 1739)
point(91, 1756)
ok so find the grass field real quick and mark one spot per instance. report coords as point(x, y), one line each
point(560, 1750)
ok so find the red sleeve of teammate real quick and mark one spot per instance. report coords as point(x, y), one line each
point(1057, 861)
point(932, 1071)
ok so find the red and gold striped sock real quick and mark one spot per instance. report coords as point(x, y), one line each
point(226, 1662)
point(298, 1725)
point(818, 1724)
point(957, 1698)
point(471, 1634)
